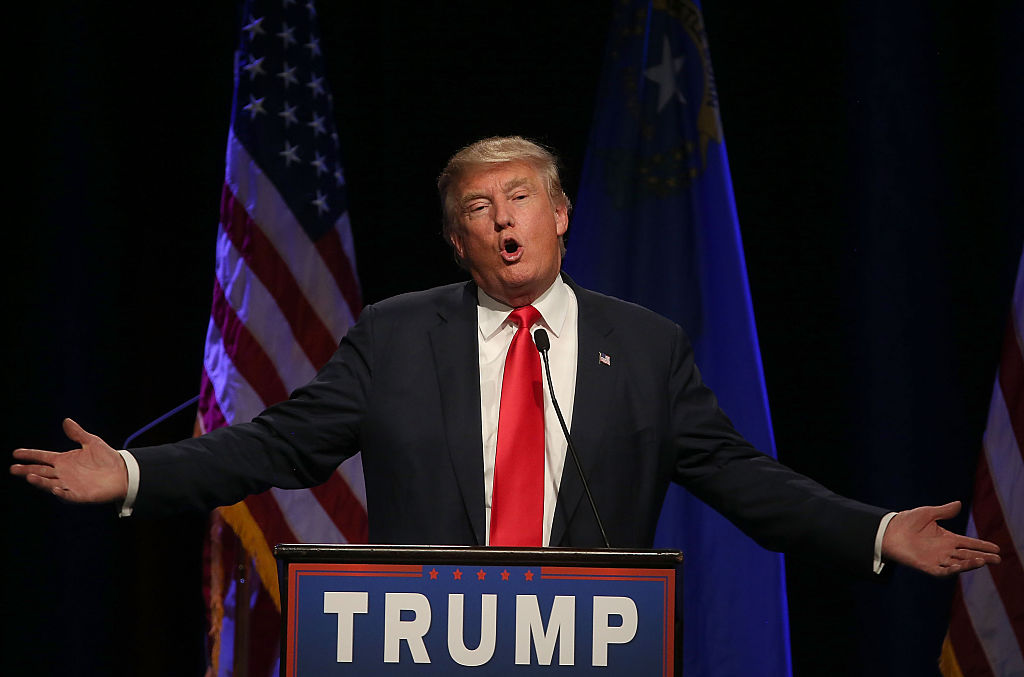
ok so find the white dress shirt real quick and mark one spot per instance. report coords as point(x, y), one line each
point(559, 312)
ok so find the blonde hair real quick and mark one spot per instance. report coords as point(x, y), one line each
point(496, 150)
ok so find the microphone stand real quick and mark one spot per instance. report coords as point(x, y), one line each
point(543, 343)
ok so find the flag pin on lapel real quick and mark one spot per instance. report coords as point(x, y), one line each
point(604, 359)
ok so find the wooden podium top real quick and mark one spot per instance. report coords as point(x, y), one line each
point(411, 554)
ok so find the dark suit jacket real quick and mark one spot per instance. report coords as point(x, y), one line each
point(404, 388)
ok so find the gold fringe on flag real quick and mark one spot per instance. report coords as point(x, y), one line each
point(255, 543)
point(948, 665)
point(217, 591)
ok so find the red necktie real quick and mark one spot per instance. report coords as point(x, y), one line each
point(517, 497)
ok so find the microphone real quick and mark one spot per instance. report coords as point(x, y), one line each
point(543, 343)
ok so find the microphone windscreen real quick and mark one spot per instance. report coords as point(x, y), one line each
point(540, 337)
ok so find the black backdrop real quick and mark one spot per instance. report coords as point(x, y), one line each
point(876, 155)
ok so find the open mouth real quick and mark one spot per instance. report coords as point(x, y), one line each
point(511, 251)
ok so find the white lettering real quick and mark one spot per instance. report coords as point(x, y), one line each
point(624, 608)
point(561, 626)
point(456, 630)
point(346, 605)
point(412, 631)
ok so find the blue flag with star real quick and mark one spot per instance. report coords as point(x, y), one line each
point(655, 223)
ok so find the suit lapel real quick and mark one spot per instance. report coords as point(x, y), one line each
point(594, 382)
point(454, 344)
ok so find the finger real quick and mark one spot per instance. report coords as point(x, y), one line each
point(970, 555)
point(41, 470)
point(36, 455)
point(968, 565)
point(55, 487)
point(75, 431)
point(968, 543)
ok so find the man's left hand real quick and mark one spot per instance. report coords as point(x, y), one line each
point(914, 538)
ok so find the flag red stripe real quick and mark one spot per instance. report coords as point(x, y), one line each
point(1008, 576)
point(209, 409)
point(264, 625)
point(969, 653)
point(264, 261)
point(267, 513)
point(337, 261)
point(246, 354)
point(1011, 381)
point(344, 509)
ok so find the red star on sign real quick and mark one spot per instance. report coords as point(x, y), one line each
point(529, 575)
point(433, 574)
point(457, 575)
point(504, 575)
point(481, 575)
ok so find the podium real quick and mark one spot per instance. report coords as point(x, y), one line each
point(433, 610)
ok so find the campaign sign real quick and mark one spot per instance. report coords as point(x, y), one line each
point(479, 619)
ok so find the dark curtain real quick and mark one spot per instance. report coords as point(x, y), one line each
point(876, 154)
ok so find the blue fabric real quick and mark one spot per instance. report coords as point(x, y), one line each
point(656, 224)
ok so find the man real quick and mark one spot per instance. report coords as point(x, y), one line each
point(458, 450)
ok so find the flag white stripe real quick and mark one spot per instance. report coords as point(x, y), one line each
point(257, 309)
point(344, 229)
point(352, 472)
point(306, 517)
point(264, 204)
point(991, 624)
point(235, 397)
point(1006, 467)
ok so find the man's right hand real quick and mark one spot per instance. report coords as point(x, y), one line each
point(94, 473)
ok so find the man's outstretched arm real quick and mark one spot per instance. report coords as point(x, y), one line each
point(915, 539)
point(92, 473)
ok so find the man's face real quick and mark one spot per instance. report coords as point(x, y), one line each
point(508, 232)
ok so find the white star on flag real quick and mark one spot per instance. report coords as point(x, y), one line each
point(254, 68)
point(286, 35)
point(290, 154)
point(664, 75)
point(318, 162)
point(253, 28)
point(320, 202)
point(288, 114)
point(254, 107)
point(317, 123)
point(288, 75)
point(317, 85)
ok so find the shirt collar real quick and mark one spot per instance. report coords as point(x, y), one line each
point(552, 305)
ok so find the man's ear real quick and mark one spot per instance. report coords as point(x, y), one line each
point(455, 239)
point(561, 220)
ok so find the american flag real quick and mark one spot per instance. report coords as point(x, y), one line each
point(986, 628)
point(285, 292)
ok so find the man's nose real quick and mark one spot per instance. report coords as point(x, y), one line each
point(503, 217)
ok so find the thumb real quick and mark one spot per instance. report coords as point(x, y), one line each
point(75, 432)
point(945, 512)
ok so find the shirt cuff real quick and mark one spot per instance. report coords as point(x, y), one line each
point(133, 483)
point(878, 564)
